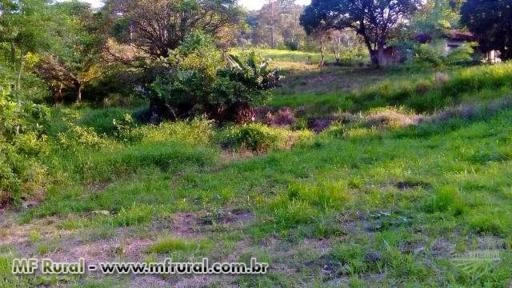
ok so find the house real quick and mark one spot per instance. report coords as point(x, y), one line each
point(454, 39)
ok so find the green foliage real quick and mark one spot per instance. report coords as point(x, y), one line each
point(195, 132)
point(352, 259)
point(102, 120)
point(135, 215)
point(125, 129)
point(74, 56)
point(196, 81)
point(446, 199)
point(22, 141)
point(379, 19)
point(259, 137)
point(440, 91)
point(491, 23)
point(429, 55)
point(436, 16)
point(78, 137)
point(173, 245)
point(462, 54)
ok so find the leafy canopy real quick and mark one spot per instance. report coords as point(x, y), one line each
point(374, 20)
point(491, 22)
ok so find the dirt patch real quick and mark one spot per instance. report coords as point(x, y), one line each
point(12, 233)
point(330, 267)
point(126, 249)
point(148, 281)
point(185, 225)
point(195, 225)
point(491, 243)
point(442, 248)
point(237, 217)
point(408, 185)
point(98, 187)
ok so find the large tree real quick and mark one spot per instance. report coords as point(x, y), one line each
point(74, 57)
point(159, 26)
point(23, 30)
point(491, 22)
point(437, 16)
point(277, 23)
point(374, 20)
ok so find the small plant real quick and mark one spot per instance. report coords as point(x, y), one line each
point(132, 216)
point(80, 137)
point(487, 224)
point(125, 129)
point(446, 199)
point(170, 245)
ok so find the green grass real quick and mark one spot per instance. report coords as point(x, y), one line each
point(358, 204)
point(303, 193)
point(351, 90)
point(170, 245)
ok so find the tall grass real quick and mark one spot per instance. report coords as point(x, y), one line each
point(440, 90)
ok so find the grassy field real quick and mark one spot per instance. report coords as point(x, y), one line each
point(408, 186)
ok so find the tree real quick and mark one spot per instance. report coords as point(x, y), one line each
point(436, 16)
point(75, 55)
point(159, 26)
point(491, 22)
point(374, 20)
point(339, 41)
point(23, 30)
point(277, 23)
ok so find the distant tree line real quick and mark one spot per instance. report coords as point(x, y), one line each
point(382, 23)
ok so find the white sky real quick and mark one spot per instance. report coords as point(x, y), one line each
point(249, 4)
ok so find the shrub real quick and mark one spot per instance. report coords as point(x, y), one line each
point(426, 54)
point(283, 117)
point(22, 141)
point(80, 137)
point(125, 129)
point(196, 80)
point(259, 137)
point(102, 120)
point(460, 55)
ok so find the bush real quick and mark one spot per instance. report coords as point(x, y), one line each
point(198, 131)
point(196, 80)
point(22, 141)
point(461, 55)
point(80, 137)
point(102, 120)
point(426, 54)
point(259, 138)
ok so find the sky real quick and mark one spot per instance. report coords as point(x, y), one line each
point(249, 4)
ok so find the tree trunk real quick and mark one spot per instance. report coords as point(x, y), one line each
point(374, 57)
point(58, 95)
point(322, 51)
point(20, 74)
point(272, 32)
point(79, 88)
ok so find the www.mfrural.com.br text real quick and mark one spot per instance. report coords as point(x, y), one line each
point(167, 267)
